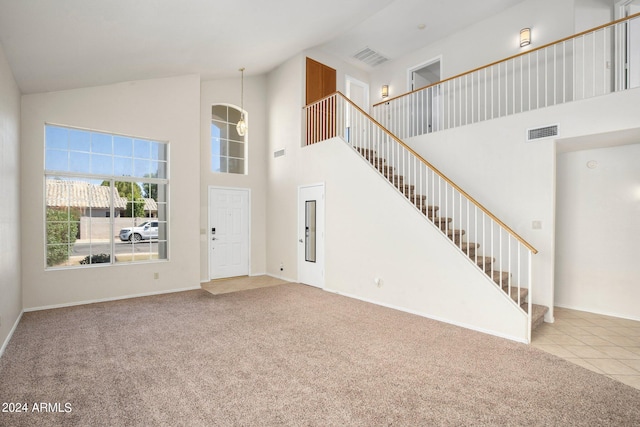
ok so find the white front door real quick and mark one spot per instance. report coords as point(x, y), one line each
point(311, 235)
point(228, 232)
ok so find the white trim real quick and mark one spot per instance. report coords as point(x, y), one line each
point(249, 195)
point(13, 329)
point(620, 9)
point(603, 313)
point(418, 313)
point(349, 80)
point(410, 70)
point(145, 294)
point(246, 137)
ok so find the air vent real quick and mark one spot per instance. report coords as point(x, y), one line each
point(278, 153)
point(370, 57)
point(542, 133)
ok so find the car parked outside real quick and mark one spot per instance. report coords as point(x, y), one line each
point(145, 231)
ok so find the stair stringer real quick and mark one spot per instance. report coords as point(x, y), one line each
point(373, 233)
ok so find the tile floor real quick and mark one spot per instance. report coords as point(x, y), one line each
point(604, 344)
point(235, 284)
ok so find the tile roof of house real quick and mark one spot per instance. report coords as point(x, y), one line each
point(150, 205)
point(80, 194)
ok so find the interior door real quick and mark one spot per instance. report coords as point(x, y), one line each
point(358, 92)
point(228, 232)
point(311, 235)
point(320, 82)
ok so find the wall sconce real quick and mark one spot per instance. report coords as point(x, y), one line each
point(385, 91)
point(525, 37)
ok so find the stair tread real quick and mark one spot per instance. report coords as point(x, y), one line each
point(452, 231)
point(538, 310)
point(441, 219)
point(537, 315)
point(487, 261)
point(514, 293)
point(465, 246)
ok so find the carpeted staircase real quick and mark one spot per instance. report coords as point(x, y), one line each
point(501, 278)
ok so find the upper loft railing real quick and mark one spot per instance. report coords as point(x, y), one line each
point(592, 63)
point(500, 249)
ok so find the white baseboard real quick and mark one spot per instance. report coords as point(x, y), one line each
point(146, 294)
point(6, 341)
point(602, 312)
point(418, 313)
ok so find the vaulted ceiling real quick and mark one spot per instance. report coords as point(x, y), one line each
point(65, 44)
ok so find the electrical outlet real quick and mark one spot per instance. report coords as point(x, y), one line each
point(156, 275)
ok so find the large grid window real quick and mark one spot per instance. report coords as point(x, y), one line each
point(106, 198)
point(228, 149)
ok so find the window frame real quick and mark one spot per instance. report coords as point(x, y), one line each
point(245, 140)
point(162, 161)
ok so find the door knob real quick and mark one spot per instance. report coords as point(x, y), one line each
point(214, 238)
point(300, 241)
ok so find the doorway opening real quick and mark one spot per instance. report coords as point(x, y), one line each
point(358, 92)
point(424, 74)
point(627, 45)
point(426, 110)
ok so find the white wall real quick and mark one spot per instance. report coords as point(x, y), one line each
point(285, 99)
point(10, 275)
point(598, 224)
point(228, 92)
point(363, 236)
point(163, 109)
point(372, 231)
point(592, 13)
point(483, 43)
point(516, 180)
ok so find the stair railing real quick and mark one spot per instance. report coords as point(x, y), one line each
point(495, 249)
point(588, 64)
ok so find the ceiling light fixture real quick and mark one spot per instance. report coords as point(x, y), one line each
point(241, 127)
point(525, 37)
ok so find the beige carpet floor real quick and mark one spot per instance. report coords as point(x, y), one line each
point(288, 355)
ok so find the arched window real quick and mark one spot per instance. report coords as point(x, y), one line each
point(228, 149)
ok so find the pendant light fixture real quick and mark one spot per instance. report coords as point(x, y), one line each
point(241, 127)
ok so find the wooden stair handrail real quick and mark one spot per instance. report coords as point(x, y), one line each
point(434, 169)
point(594, 29)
